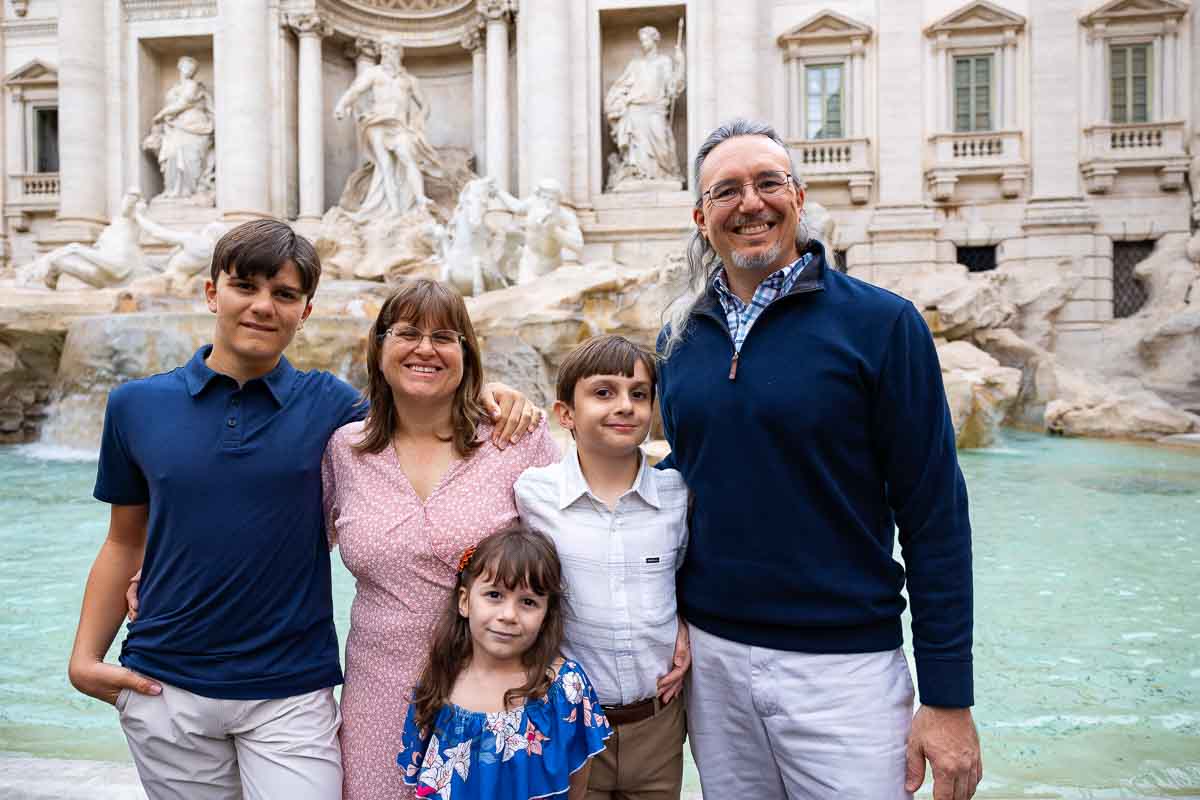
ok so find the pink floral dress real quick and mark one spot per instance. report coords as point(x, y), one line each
point(404, 555)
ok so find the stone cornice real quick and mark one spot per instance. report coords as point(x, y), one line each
point(977, 17)
point(30, 28)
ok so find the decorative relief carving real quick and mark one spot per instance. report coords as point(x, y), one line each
point(142, 10)
point(472, 35)
point(309, 25)
point(409, 7)
point(493, 10)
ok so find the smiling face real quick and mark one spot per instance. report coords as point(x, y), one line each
point(257, 316)
point(422, 370)
point(504, 622)
point(756, 233)
point(610, 415)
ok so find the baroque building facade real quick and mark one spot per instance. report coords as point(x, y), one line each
point(982, 132)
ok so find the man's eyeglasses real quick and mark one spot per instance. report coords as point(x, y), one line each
point(441, 339)
point(729, 193)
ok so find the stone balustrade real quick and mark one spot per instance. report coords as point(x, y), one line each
point(992, 154)
point(1140, 146)
point(30, 192)
point(833, 161)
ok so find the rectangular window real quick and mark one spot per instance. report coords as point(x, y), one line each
point(973, 93)
point(1129, 82)
point(1129, 293)
point(823, 93)
point(45, 127)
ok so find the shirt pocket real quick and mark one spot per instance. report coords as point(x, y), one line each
point(651, 560)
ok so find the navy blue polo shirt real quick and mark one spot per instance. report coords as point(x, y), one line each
point(235, 599)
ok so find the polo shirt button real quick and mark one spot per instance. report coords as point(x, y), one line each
point(231, 422)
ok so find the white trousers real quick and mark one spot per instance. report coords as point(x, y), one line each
point(188, 747)
point(772, 724)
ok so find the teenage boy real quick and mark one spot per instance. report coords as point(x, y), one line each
point(213, 471)
point(621, 528)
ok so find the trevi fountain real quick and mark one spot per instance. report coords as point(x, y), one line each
point(535, 155)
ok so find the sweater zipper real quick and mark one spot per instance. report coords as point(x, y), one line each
point(733, 362)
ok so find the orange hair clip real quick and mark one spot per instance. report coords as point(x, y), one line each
point(465, 559)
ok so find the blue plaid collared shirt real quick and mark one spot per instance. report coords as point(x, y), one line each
point(741, 316)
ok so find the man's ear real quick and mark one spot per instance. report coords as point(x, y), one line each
point(698, 218)
point(565, 415)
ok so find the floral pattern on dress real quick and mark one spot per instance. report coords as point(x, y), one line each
point(536, 747)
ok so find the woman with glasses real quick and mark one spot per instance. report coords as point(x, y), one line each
point(405, 492)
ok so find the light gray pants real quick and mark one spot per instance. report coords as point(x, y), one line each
point(188, 747)
point(773, 724)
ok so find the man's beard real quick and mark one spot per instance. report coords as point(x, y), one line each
point(757, 261)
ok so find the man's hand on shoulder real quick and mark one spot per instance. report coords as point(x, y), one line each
point(947, 738)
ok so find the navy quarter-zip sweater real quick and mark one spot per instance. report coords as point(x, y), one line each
point(834, 433)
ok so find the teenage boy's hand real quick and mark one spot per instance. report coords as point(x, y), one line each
point(512, 412)
point(131, 595)
point(671, 684)
point(105, 681)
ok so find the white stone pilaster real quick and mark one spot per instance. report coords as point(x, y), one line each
point(1054, 115)
point(497, 14)
point(1009, 54)
point(1170, 71)
point(858, 90)
point(545, 143)
point(944, 92)
point(901, 47)
point(82, 120)
point(310, 29)
point(243, 132)
point(738, 77)
point(1098, 75)
point(795, 70)
point(472, 42)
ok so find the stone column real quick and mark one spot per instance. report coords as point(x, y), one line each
point(310, 29)
point(472, 42)
point(1098, 75)
point(243, 93)
point(546, 136)
point(497, 14)
point(83, 121)
point(738, 76)
point(943, 93)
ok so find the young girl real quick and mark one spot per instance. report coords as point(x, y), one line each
point(497, 713)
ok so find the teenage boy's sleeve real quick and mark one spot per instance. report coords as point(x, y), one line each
point(119, 479)
point(915, 442)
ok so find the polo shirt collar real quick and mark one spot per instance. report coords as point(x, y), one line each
point(198, 375)
point(572, 485)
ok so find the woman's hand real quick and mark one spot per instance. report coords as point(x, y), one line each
point(511, 411)
point(105, 681)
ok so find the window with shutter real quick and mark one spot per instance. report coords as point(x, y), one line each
point(1129, 83)
point(973, 93)
point(823, 92)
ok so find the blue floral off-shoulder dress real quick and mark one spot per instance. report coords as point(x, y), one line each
point(521, 754)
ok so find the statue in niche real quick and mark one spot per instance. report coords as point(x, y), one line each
point(182, 138)
point(391, 130)
point(640, 108)
point(469, 262)
point(549, 229)
point(113, 260)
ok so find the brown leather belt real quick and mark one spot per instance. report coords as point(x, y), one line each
point(628, 714)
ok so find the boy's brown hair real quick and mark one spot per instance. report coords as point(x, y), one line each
point(603, 355)
point(262, 247)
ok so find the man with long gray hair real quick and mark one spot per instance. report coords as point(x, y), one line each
point(806, 412)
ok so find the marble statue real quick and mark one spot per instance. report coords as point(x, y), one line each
point(549, 229)
point(113, 260)
point(182, 138)
point(193, 251)
point(469, 262)
point(640, 109)
point(391, 130)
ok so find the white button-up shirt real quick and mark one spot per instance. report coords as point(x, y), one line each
point(619, 566)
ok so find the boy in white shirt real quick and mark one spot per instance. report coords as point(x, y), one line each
point(620, 527)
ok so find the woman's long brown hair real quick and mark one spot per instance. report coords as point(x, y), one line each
point(514, 557)
point(421, 301)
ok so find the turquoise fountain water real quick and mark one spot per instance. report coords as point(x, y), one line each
point(1087, 559)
